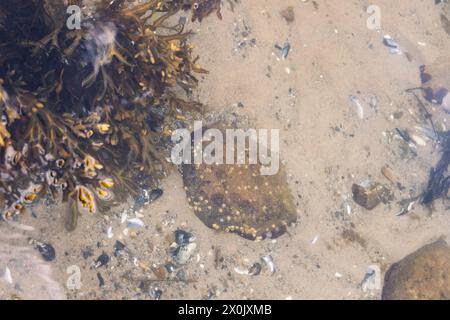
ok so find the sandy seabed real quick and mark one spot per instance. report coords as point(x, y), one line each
point(325, 147)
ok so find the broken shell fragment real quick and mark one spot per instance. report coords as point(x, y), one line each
point(183, 253)
point(372, 279)
point(268, 261)
point(407, 206)
point(369, 195)
point(356, 103)
point(241, 271)
point(389, 42)
point(418, 140)
point(255, 269)
point(7, 276)
point(393, 46)
point(135, 223)
point(430, 133)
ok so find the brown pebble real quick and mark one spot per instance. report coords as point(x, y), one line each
point(288, 14)
point(159, 272)
point(422, 275)
point(388, 174)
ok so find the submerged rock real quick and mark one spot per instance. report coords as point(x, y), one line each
point(238, 198)
point(47, 251)
point(422, 275)
point(369, 195)
point(183, 253)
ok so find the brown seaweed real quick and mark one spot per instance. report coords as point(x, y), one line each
point(439, 179)
point(87, 114)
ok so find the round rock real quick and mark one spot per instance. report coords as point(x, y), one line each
point(422, 275)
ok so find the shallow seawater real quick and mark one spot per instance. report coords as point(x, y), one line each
point(322, 76)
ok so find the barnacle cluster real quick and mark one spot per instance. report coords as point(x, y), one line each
point(86, 114)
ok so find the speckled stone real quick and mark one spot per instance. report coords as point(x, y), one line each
point(237, 198)
point(424, 275)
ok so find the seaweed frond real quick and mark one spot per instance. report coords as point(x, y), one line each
point(81, 107)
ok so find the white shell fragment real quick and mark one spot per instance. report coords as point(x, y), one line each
point(418, 140)
point(406, 209)
point(359, 109)
point(109, 232)
point(241, 271)
point(427, 133)
point(135, 223)
point(393, 46)
point(124, 216)
point(7, 277)
point(268, 260)
point(372, 279)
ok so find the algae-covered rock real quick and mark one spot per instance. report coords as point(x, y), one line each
point(422, 275)
point(238, 198)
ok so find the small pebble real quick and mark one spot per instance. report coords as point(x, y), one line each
point(47, 251)
point(101, 281)
point(102, 260)
point(183, 237)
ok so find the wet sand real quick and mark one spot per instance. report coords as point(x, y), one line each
point(325, 147)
